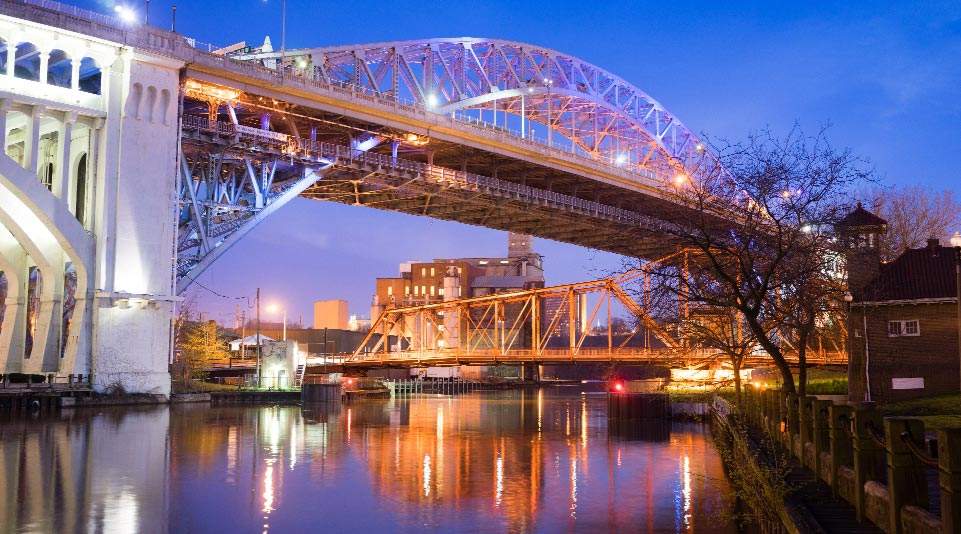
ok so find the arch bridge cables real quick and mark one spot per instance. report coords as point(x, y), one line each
point(536, 93)
point(543, 325)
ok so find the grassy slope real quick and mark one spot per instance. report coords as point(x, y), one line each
point(943, 411)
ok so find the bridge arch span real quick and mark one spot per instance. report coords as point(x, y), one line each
point(39, 226)
point(577, 106)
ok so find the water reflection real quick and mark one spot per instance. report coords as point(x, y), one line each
point(486, 462)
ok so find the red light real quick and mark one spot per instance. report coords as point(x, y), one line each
point(350, 381)
point(618, 386)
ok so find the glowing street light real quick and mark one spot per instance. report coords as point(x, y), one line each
point(621, 159)
point(274, 308)
point(432, 100)
point(680, 179)
point(126, 13)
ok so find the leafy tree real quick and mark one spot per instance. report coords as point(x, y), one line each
point(200, 345)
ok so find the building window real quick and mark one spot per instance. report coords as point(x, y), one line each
point(482, 262)
point(406, 290)
point(416, 292)
point(908, 327)
point(432, 291)
point(440, 292)
point(432, 271)
point(423, 271)
point(390, 291)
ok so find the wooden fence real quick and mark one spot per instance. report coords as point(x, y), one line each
point(885, 467)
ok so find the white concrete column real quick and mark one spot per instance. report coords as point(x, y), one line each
point(61, 180)
point(108, 173)
point(5, 105)
point(44, 64)
point(31, 140)
point(11, 57)
point(75, 71)
point(13, 331)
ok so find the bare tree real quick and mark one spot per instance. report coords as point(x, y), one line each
point(756, 236)
point(723, 330)
point(914, 214)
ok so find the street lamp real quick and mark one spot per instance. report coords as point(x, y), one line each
point(283, 31)
point(274, 308)
point(550, 129)
point(126, 13)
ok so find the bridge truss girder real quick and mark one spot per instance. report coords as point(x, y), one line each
point(513, 327)
point(225, 189)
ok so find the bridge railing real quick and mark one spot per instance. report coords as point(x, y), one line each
point(520, 355)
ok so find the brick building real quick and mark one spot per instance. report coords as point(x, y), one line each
point(440, 279)
point(903, 326)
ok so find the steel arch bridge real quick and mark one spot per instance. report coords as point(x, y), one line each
point(485, 132)
point(582, 107)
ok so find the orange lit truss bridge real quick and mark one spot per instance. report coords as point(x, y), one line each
point(563, 324)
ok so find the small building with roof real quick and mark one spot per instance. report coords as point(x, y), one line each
point(903, 326)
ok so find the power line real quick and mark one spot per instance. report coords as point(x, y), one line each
point(221, 295)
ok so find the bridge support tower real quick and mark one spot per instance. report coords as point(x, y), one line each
point(89, 132)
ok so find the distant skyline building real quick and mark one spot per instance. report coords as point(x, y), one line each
point(331, 314)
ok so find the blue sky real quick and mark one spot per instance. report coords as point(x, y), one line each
point(885, 75)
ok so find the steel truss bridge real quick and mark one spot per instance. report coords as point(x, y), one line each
point(544, 326)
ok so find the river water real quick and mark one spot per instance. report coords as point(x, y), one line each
point(508, 461)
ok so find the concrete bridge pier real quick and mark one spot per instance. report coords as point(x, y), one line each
point(530, 372)
point(88, 200)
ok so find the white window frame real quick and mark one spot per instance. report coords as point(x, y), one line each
point(902, 328)
point(917, 328)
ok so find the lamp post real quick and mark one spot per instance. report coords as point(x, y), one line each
point(550, 129)
point(259, 351)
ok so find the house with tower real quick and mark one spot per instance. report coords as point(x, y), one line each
point(903, 325)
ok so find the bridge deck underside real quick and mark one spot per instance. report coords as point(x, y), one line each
point(386, 189)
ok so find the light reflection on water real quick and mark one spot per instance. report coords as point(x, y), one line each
point(512, 461)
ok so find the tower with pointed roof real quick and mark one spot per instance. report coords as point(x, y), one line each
point(861, 233)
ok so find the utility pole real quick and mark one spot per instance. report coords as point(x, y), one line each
point(259, 352)
point(173, 19)
point(283, 32)
point(957, 274)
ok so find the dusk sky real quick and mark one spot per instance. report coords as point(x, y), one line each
point(886, 76)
